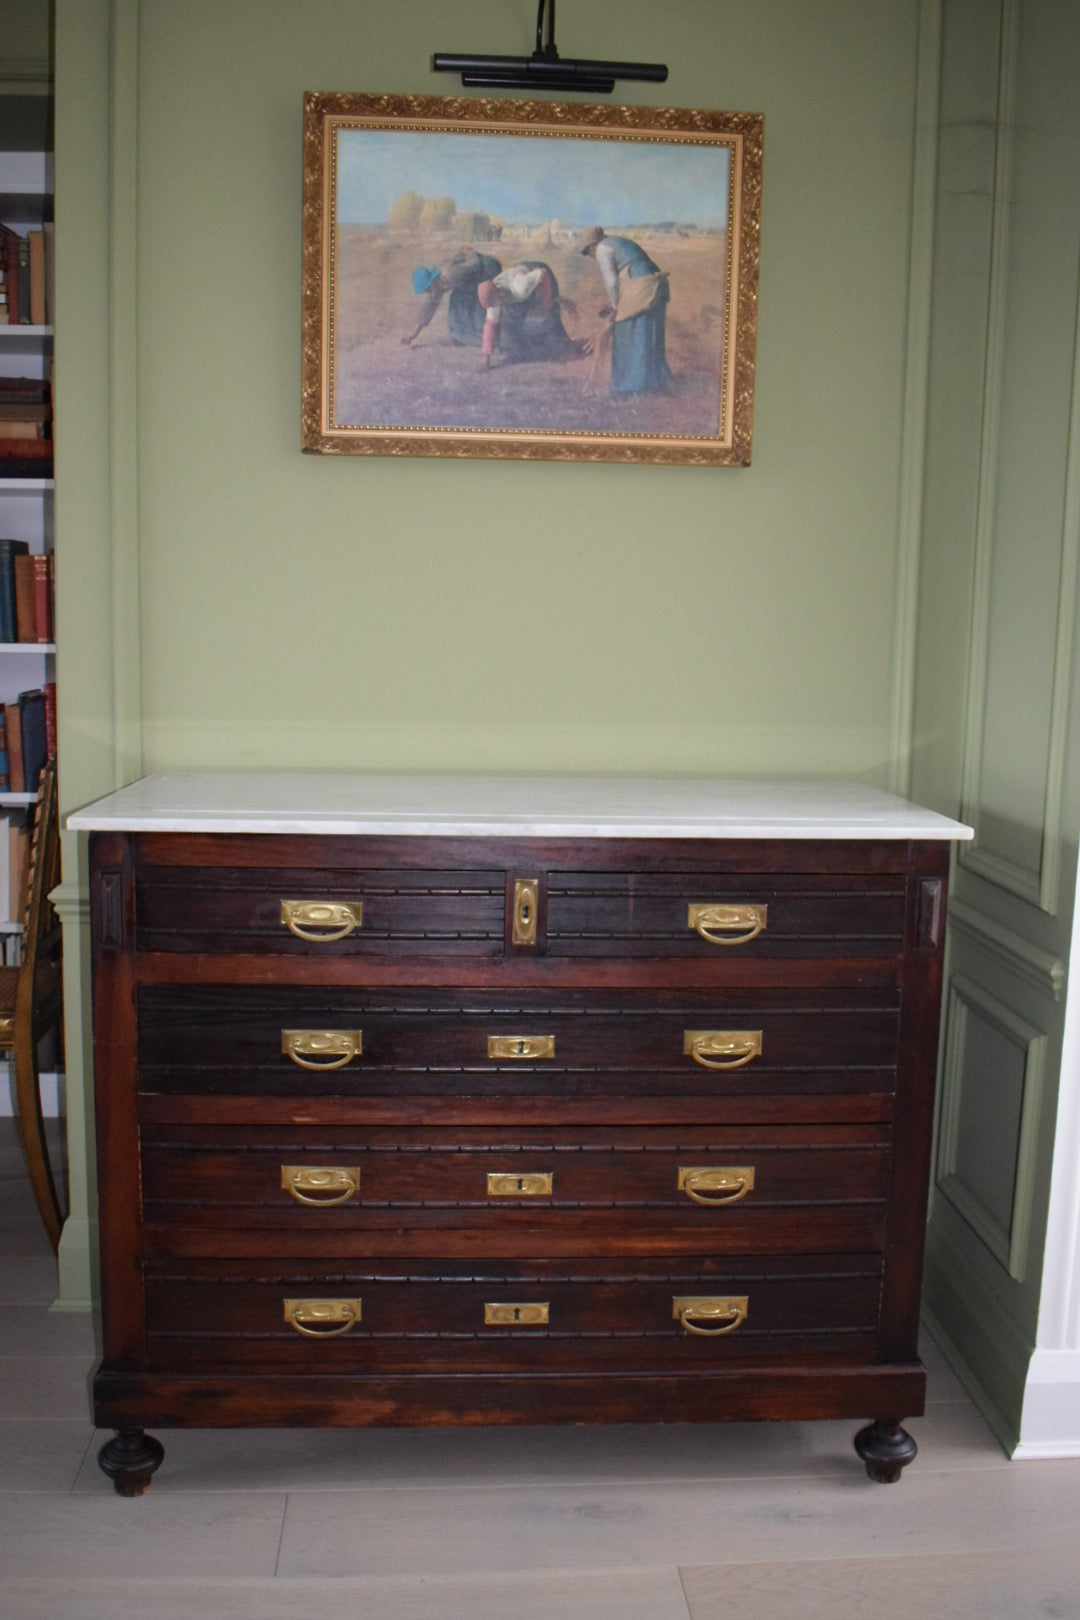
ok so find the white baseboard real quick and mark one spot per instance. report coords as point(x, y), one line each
point(1050, 1424)
point(52, 1094)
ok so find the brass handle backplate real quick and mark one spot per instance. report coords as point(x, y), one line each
point(530, 1184)
point(734, 924)
point(322, 1318)
point(521, 1046)
point(524, 1313)
point(322, 1048)
point(320, 1185)
point(523, 920)
point(716, 1184)
point(322, 921)
point(710, 1314)
point(722, 1048)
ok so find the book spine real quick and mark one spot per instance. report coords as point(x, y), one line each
point(9, 550)
point(32, 727)
point(38, 589)
point(11, 268)
point(26, 458)
point(50, 718)
point(16, 770)
point(25, 625)
point(36, 245)
point(24, 281)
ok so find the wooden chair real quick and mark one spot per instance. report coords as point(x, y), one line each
point(31, 999)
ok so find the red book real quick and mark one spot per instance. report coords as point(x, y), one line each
point(50, 718)
point(33, 597)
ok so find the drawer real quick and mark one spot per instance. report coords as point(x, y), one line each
point(334, 1178)
point(748, 1190)
point(724, 915)
point(320, 912)
point(260, 1041)
point(542, 1316)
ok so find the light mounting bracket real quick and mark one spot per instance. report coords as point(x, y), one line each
point(545, 69)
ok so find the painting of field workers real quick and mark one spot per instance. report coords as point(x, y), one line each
point(541, 283)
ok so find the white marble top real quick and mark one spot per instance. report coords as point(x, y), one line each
point(522, 806)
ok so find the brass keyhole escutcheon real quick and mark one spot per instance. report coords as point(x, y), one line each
point(523, 920)
point(526, 1184)
point(511, 1313)
point(520, 1046)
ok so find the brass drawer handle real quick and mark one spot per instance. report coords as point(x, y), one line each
point(728, 924)
point(322, 1318)
point(722, 1048)
point(532, 1184)
point(320, 1185)
point(531, 1313)
point(322, 921)
point(523, 921)
point(716, 1184)
point(521, 1046)
point(321, 1048)
point(710, 1314)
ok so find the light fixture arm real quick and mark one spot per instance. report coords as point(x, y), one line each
point(544, 69)
point(547, 51)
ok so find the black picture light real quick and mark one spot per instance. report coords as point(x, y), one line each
point(545, 69)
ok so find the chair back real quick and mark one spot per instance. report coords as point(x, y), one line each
point(41, 926)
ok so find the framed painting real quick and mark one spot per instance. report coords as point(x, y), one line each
point(529, 279)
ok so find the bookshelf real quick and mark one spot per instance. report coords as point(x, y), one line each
point(26, 515)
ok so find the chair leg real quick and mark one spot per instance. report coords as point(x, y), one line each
point(32, 1135)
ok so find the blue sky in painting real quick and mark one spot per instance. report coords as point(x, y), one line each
point(532, 179)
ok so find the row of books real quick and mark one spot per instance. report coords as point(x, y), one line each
point(27, 738)
point(15, 829)
point(26, 277)
point(26, 442)
point(27, 593)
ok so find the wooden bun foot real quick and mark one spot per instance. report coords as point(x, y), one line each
point(886, 1449)
point(130, 1460)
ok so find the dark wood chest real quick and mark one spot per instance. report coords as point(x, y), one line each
point(482, 1130)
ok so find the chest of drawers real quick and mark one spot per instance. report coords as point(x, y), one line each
point(431, 1112)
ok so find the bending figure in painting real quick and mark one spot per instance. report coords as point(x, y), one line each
point(636, 312)
point(523, 316)
point(460, 277)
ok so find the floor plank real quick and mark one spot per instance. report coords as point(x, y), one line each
point(577, 1595)
point(1012, 1585)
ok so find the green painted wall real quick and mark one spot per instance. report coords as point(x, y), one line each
point(315, 612)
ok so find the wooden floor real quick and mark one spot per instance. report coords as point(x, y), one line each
point(723, 1522)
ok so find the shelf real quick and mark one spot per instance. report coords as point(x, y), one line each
point(20, 329)
point(25, 486)
point(12, 800)
point(27, 647)
point(11, 928)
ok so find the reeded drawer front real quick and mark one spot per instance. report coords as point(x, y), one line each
point(333, 1179)
point(322, 913)
point(528, 907)
point(545, 1315)
point(237, 1041)
point(697, 915)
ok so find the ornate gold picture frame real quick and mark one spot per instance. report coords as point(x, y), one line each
point(529, 279)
